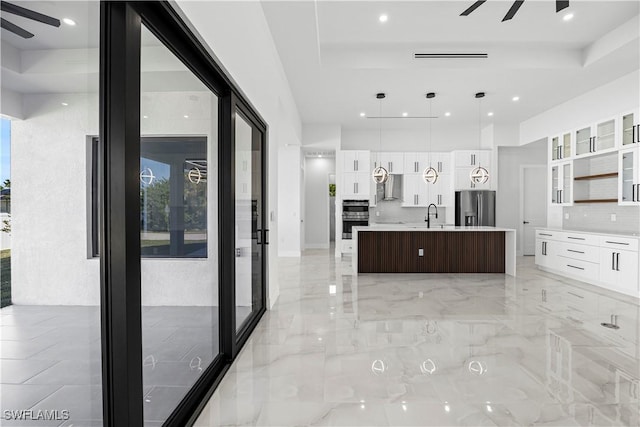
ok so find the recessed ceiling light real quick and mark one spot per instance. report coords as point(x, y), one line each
point(383, 18)
point(405, 114)
point(515, 98)
point(69, 21)
point(145, 117)
point(567, 17)
point(362, 114)
point(185, 116)
point(64, 104)
point(447, 114)
point(490, 113)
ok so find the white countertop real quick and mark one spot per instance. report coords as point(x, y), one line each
point(423, 227)
point(597, 233)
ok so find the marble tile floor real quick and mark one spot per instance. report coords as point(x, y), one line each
point(50, 359)
point(433, 350)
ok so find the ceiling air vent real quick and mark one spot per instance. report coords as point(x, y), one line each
point(450, 55)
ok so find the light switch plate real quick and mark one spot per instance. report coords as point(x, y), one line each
point(614, 217)
point(566, 215)
point(377, 213)
point(420, 252)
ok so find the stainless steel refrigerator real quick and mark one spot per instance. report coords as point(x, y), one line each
point(476, 208)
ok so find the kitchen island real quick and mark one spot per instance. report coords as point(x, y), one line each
point(417, 249)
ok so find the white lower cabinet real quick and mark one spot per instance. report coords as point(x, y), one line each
point(347, 246)
point(619, 269)
point(608, 261)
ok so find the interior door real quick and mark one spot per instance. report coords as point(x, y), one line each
point(534, 207)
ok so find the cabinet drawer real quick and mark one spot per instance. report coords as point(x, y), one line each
point(581, 252)
point(623, 243)
point(578, 268)
point(549, 235)
point(347, 246)
point(582, 239)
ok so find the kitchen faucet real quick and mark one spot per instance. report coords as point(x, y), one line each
point(428, 217)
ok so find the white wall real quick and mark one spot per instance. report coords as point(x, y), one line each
point(409, 140)
point(239, 37)
point(510, 160)
point(615, 97)
point(50, 171)
point(289, 212)
point(316, 187)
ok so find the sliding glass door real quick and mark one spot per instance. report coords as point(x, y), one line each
point(250, 233)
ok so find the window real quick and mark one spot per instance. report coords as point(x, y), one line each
point(173, 197)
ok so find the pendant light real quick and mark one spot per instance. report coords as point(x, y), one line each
point(380, 175)
point(479, 174)
point(430, 175)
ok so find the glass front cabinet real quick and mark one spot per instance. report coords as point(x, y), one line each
point(630, 128)
point(598, 138)
point(562, 183)
point(561, 146)
point(629, 176)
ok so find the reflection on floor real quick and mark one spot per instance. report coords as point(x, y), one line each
point(393, 350)
point(50, 359)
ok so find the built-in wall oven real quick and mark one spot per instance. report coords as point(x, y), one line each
point(355, 213)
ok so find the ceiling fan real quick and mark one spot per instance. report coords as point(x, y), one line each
point(25, 13)
point(560, 5)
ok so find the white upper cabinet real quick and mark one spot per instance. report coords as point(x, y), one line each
point(465, 162)
point(392, 162)
point(629, 176)
point(418, 162)
point(598, 138)
point(630, 128)
point(472, 158)
point(356, 161)
point(356, 185)
point(561, 146)
point(562, 184)
point(414, 191)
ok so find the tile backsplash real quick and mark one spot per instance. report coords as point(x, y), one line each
point(392, 211)
point(597, 217)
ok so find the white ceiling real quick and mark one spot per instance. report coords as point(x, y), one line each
point(337, 55)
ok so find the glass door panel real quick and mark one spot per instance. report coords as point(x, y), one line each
point(606, 135)
point(583, 141)
point(565, 195)
point(555, 171)
point(249, 224)
point(179, 229)
point(628, 129)
point(555, 148)
point(566, 145)
point(628, 175)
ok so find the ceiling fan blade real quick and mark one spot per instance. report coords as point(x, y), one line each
point(15, 29)
point(561, 5)
point(514, 9)
point(472, 7)
point(29, 14)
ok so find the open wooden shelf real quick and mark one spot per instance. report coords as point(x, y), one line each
point(598, 176)
point(596, 201)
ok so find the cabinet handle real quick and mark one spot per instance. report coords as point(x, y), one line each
point(355, 166)
point(633, 134)
point(544, 248)
point(354, 188)
point(561, 201)
point(439, 166)
point(574, 251)
point(637, 192)
point(613, 260)
point(617, 261)
point(415, 166)
point(637, 133)
point(633, 192)
point(415, 199)
point(617, 243)
point(544, 234)
point(573, 266)
point(576, 295)
point(576, 238)
point(390, 167)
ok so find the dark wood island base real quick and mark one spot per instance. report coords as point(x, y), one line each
point(444, 252)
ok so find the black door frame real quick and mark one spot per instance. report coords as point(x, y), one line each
point(121, 302)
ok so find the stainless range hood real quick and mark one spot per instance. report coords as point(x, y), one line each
point(390, 190)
